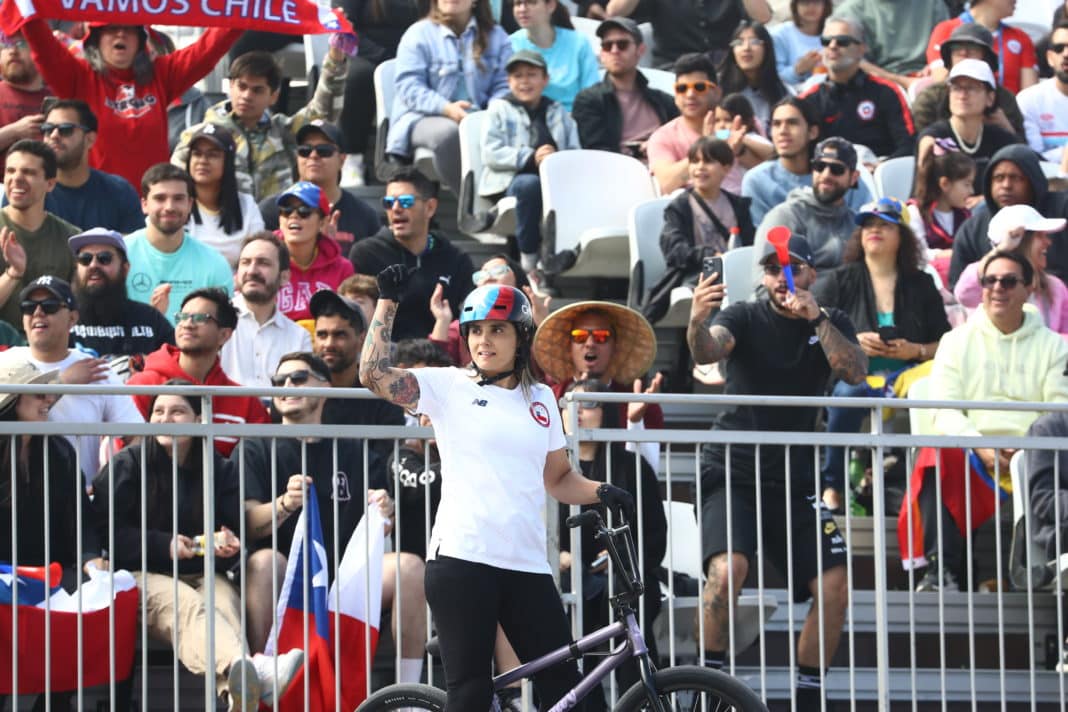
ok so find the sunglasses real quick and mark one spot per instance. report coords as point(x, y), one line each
point(65, 129)
point(193, 318)
point(698, 87)
point(772, 269)
point(495, 272)
point(323, 150)
point(405, 201)
point(1055, 48)
point(600, 336)
point(836, 169)
point(842, 40)
point(622, 45)
point(1008, 281)
point(48, 306)
point(104, 258)
point(301, 210)
point(297, 378)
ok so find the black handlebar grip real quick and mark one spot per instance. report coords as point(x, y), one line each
point(583, 519)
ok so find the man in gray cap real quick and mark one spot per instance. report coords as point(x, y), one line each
point(781, 345)
point(968, 41)
point(621, 112)
point(109, 323)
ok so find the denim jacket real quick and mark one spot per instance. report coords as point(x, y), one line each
point(430, 66)
point(506, 141)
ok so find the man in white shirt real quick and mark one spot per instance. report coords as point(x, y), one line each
point(48, 313)
point(263, 334)
point(1045, 105)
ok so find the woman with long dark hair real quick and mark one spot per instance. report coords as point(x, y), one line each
point(749, 69)
point(502, 450)
point(222, 216)
point(174, 474)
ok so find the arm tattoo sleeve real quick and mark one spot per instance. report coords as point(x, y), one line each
point(376, 369)
point(848, 362)
point(709, 344)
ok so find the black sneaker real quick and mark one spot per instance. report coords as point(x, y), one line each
point(931, 583)
point(510, 699)
point(562, 261)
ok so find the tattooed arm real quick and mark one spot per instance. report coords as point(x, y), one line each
point(848, 361)
point(376, 369)
point(708, 344)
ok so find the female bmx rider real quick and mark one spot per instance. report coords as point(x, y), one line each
point(502, 448)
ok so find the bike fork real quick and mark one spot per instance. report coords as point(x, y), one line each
point(652, 695)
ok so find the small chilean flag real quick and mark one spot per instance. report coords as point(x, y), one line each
point(348, 613)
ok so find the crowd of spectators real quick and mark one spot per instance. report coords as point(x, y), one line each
point(240, 258)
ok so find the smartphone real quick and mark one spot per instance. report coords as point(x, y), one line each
point(48, 103)
point(887, 333)
point(710, 265)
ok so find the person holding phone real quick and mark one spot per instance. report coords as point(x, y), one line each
point(897, 311)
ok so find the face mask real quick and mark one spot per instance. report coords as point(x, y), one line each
point(723, 134)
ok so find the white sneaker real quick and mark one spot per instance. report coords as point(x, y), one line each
point(352, 171)
point(243, 684)
point(288, 664)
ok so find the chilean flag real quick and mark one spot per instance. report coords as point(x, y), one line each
point(346, 614)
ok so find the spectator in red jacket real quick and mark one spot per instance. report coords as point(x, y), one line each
point(305, 222)
point(127, 90)
point(205, 322)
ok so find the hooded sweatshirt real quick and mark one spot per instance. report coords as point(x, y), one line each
point(970, 242)
point(826, 227)
point(327, 271)
point(162, 365)
point(978, 362)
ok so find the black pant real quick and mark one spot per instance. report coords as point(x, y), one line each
point(953, 541)
point(468, 600)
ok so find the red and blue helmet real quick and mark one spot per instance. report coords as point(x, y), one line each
point(497, 302)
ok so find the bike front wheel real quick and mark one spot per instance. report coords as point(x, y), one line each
point(405, 696)
point(688, 687)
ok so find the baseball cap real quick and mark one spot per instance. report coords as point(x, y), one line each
point(97, 236)
point(621, 23)
point(327, 300)
point(970, 33)
point(58, 288)
point(889, 209)
point(218, 135)
point(838, 149)
point(324, 127)
point(526, 56)
point(798, 247)
point(975, 69)
point(307, 193)
point(1014, 217)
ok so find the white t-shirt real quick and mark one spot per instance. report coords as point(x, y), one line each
point(493, 444)
point(227, 244)
point(1045, 116)
point(85, 409)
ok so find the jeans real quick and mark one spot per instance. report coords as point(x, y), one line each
point(526, 187)
point(843, 420)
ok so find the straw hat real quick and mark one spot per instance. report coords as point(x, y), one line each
point(635, 342)
point(18, 371)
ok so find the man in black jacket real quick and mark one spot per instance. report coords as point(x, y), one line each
point(1013, 176)
point(621, 112)
point(410, 201)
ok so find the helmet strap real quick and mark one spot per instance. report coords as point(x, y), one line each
point(490, 380)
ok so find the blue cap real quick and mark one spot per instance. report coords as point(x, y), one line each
point(889, 209)
point(307, 193)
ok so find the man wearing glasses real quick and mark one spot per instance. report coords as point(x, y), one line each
point(85, 196)
point(621, 112)
point(781, 345)
point(21, 92)
point(205, 321)
point(855, 105)
point(110, 324)
point(319, 161)
point(410, 203)
point(696, 96)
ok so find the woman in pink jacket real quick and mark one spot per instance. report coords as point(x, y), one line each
point(305, 223)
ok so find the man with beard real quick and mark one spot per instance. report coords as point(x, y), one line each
point(819, 213)
point(793, 130)
point(166, 263)
point(1045, 105)
point(263, 334)
point(84, 196)
point(338, 338)
point(109, 323)
point(21, 93)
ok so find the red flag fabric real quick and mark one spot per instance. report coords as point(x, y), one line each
point(953, 465)
point(291, 17)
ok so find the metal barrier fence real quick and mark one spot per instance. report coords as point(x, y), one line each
point(920, 649)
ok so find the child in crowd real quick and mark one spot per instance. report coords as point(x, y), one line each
point(519, 132)
point(735, 123)
point(940, 205)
